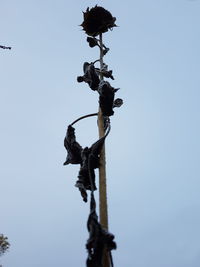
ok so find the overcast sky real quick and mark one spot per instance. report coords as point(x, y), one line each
point(153, 149)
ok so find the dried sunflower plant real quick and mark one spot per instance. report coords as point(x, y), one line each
point(96, 21)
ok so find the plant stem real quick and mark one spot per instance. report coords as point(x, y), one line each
point(83, 117)
point(103, 207)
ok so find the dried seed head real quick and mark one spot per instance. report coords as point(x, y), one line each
point(97, 20)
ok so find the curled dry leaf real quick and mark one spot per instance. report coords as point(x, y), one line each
point(105, 73)
point(99, 238)
point(86, 176)
point(73, 148)
point(90, 76)
point(106, 98)
point(92, 41)
point(97, 20)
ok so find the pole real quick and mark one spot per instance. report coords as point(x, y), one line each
point(103, 207)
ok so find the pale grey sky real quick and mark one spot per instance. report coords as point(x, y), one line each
point(152, 151)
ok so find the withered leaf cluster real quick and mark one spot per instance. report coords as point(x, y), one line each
point(90, 76)
point(105, 90)
point(99, 238)
point(88, 158)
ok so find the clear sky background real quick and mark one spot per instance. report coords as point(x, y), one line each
point(152, 151)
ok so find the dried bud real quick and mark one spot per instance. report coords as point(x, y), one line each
point(80, 79)
point(117, 103)
point(97, 20)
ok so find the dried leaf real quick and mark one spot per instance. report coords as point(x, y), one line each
point(86, 176)
point(106, 98)
point(92, 41)
point(99, 238)
point(73, 148)
point(106, 73)
point(90, 76)
point(105, 51)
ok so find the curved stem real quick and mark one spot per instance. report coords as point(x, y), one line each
point(83, 117)
point(96, 61)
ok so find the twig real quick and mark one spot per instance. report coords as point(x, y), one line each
point(83, 117)
point(5, 47)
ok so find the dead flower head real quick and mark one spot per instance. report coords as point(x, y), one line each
point(97, 20)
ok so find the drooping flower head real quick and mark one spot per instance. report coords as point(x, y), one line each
point(97, 20)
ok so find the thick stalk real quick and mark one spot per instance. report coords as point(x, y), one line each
point(103, 207)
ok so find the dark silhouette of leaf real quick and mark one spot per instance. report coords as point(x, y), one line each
point(86, 176)
point(97, 20)
point(99, 238)
point(90, 76)
point(106, 98)
point(106, 73)
point(82, 189)
point(92, 41)
point(95, 42)
point(90, 161)
point(105, 51)
point(73, 148)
